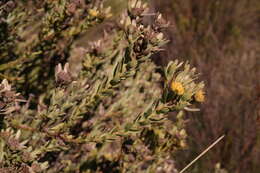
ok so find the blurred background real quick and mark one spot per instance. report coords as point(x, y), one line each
point(220, 38)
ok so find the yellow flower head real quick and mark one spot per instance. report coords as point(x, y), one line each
point(200, 96)
point(93, 12)
point(177, 88)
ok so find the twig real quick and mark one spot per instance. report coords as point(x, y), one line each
point(204, 152)
point(191, 109)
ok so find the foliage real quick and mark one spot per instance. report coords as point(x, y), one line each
point(104, 111)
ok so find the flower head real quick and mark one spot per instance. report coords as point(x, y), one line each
point(62, 75)
point(177, 88)
point(199, 96)
point(5, 86)
point(93, 12)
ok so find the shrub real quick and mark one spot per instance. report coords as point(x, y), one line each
point(104, 111)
